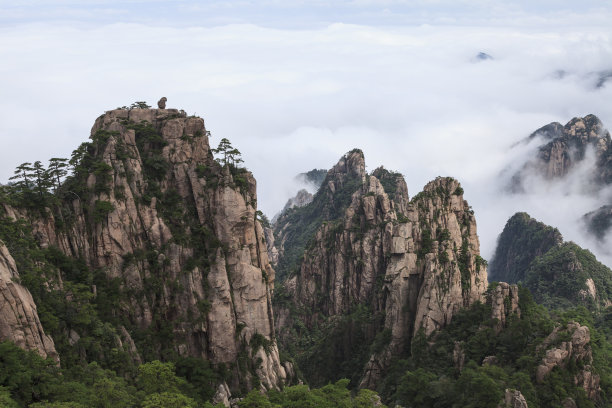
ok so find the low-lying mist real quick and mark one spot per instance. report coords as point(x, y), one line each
point(416, 99)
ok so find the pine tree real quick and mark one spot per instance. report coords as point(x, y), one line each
point(231, 155)
point(57, 171)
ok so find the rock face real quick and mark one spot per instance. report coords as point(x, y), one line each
point(150, 206)
point(19, 320)
point(566, 146)
point(302, 198)
point(504, 302)
point(514, 399)
point(522, 240)
point(413, 263)
point(578, 350)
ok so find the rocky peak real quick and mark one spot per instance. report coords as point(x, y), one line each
point(352, 162)
point(350, 166)
point(522, 240)
point(302, 198)
point(559, 274)
point(548, 132)
point(150, 207)
point(412, 264)
point(565, 146)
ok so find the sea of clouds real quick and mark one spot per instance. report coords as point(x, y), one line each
point(413, 97)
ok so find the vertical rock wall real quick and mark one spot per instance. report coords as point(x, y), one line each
point(416, 262)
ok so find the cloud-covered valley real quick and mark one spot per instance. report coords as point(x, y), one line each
point(413, 98)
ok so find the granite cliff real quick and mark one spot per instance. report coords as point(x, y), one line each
point(174, 233)
point(380, 265)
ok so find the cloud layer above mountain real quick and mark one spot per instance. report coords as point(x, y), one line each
point(293, 97)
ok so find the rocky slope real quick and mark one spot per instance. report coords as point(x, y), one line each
point(19, 321)
point(176, 232)
point(411, 264)
point(558, 274)
point(576, 350)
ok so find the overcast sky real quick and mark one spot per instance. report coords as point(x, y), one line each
point(294, 84)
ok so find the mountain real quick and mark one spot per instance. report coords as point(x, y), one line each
point(150, 249)
point(564, 147)
point(522, 240)
point(558, 274)
point(370, 268)
point(137, 274)
point(563, 151)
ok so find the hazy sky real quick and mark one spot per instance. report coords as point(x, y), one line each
point(295, 84)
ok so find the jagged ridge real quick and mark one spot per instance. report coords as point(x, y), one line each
point(411, 264)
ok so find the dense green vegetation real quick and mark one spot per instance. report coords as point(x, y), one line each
point(300, 396)
point(336, 348)
point(556, 273)
point(388, 179)
point(522, 240)
point(557, 278)
point(28, 380)
point(430, 377)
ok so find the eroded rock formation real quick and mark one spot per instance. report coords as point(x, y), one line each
point(415, 263)
point(150, 207)
point(578, 350)
point(504, 302)
point(566, 146)
point(19, 320)
point(514, 399)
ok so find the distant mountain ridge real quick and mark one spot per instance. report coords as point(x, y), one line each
point(564, 148)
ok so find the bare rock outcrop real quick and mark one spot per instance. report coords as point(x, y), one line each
point(577, 349)
point(566, 146)
point(19, 320)
point(271, 245)
point(415, 263)
point(179, 231)
point(504, 302)
point(514, 399)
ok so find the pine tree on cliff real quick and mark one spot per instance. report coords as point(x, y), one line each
point(231, 155)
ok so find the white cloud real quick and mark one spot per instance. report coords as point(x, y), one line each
point(295, 99)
